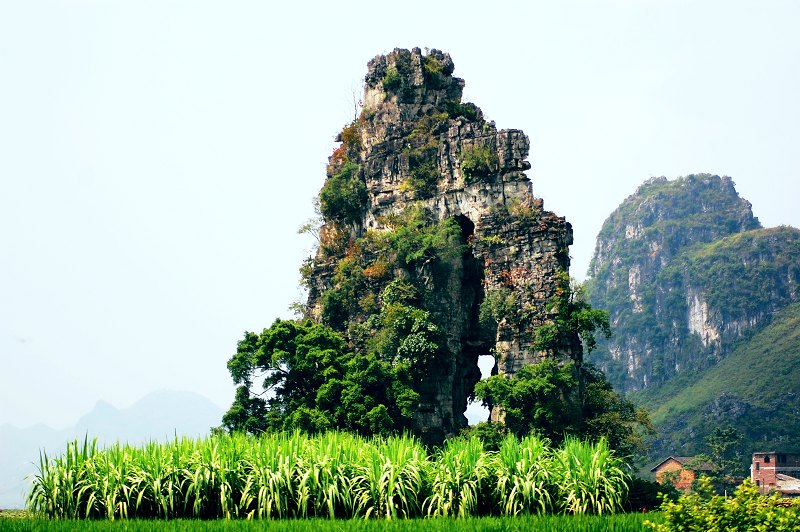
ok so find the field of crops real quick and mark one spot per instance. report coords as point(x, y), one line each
point(547, 523)
point(333, 475)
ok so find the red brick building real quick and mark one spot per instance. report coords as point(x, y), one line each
point(680, 470)
point(774, 471)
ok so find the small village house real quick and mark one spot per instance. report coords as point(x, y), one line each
point(774, 471)
point(681, 471)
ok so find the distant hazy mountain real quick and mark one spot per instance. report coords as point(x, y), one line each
point(160, 415)
point(157, 415)
point(19, 450)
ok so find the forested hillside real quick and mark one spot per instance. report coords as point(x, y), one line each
point(700, 299)
point(754, 389)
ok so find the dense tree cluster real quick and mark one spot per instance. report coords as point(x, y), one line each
point(557, 399)
point(314, 382)
point(543, 398)
point(722, 454)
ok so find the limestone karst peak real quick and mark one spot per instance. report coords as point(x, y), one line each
point(424, 191)
point(414, 78)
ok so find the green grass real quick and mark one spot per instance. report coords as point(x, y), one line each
point(604, 523)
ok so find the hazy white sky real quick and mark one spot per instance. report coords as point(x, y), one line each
point(157, 157)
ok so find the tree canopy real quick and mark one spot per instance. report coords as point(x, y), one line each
point(543, 398)
point(557, 399)
point(314, 382)
point(312, 379)
point(723, 452)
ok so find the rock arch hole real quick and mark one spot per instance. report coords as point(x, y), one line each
point(467, 227)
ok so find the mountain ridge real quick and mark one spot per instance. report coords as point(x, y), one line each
point(675, 287)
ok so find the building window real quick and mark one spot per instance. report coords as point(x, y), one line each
point(758, 483)
point(758, 466)
point(766, 459)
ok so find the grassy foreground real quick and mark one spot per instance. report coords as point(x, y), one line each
point(545, 523)
point(332, 475)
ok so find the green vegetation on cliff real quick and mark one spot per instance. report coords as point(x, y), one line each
point(701, 301)
point(371, 263)
point(691, 209)
point(742, 272)
point(754, 389)
point(665, 271)
point(344, 194)
point(478, 161)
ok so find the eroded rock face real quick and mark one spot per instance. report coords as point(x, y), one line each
point(686, 273)
point(416, 145)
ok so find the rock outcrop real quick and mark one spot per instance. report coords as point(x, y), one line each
point(686, 273)
point(417, 147)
